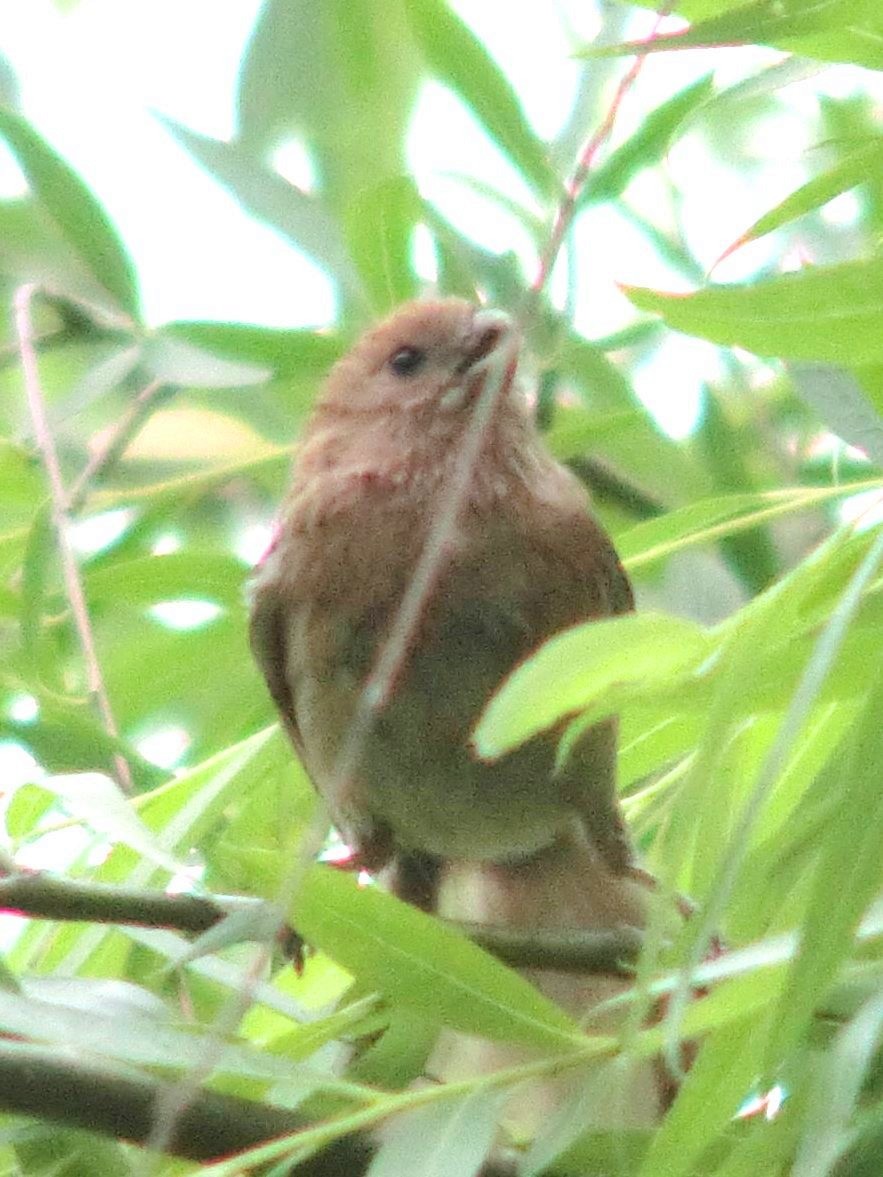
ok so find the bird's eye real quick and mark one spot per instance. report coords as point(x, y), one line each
point(407, 360)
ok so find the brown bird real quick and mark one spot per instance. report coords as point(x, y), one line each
point(526, 560)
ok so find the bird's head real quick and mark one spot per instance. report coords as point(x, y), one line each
point(431, 354)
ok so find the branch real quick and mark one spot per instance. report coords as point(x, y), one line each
point(36, 1081)
point(71, 574)
point(44, 896)
point(611, 950)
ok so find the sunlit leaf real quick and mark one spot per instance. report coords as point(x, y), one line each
point(830, 313)
point(581, 667)
point(647, 145)
point(413, 959)
point(459, 59)
point(72, 205)
point(446, 1139)
point(299, 216)
point(815, 193)
point(843, 406)
point(310, 352)
point(832, 30)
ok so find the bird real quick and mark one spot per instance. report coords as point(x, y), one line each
point(524, 560)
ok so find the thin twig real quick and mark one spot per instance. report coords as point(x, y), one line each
point(70, 572)
point(116, 441)
point(576, 181)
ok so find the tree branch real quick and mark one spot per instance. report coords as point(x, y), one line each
point(51, 1086)
point(44, 896)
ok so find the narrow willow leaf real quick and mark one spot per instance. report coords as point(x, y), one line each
point(379, 227)
point(300, 217)
point(648, 144)
point(147, 579)
point(450, 1138)
point(173, 361)
point(647, 543)
point(847, 876)
point(816, 193)
point(82, 220)
point(717, 1084)
point(738, 662)
point(180, 811)
point(149, 1042)
point(416, 961)
point(839, 400)
point(836, 1093)
point(828, 313)
point(460, 60)
point(598, 1098)
point(341, 77)
point(97, 801)
point(39, 552)
point(766, 22)
point(69, 738)
point(580, 667)
point(296, 351)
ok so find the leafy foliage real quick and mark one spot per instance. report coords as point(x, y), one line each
point(749, 687)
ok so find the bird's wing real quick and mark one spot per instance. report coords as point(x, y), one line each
point(267, 635)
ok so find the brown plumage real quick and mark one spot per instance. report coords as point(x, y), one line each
point(527, 560)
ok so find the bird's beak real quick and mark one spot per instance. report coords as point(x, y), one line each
point(491, 332)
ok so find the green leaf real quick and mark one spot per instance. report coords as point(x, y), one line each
point(709, 520)
point(304, 353)
point(647, 145)
point(379, 228)
point(460, 60)
point(755, 631)
point(414, 960)
point(837, 1091)
point(728, 450)
point(815, 193)
point(78, 214)
point(839, 400)
point(341, 76)
point(605, 390)
point(150, 1042)
point(810, 27)
point(450, 1138)
point(172, 361)
point(148, 579)
point(40, 551)
point(828, 313)
point(68, 738)
point(96, 800)
point(717, 1084)
point(846, 878)
point(263, 193)
point(583, 667)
